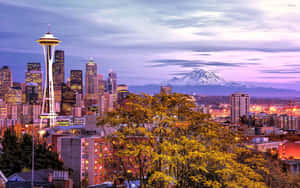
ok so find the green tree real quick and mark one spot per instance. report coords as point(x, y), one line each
point(17, 154)
point(11, 160)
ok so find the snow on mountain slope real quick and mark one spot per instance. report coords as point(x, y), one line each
point(198, 77)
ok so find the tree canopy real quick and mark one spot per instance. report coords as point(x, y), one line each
point(162, 141)
point(17, 154)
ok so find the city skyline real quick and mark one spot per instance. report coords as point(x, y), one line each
point(150, 42)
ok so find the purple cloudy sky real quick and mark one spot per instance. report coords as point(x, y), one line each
point(149, 41)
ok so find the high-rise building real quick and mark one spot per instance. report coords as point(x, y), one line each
point(166, 90)
point(31, 113)
point(112, 86)
point(59, 68)
point(105, 104)
point(13, 96)
point(112, 83)
point(32, 93)
point(12, 111)
point(6, 80)
point(84, 156)
point(3, 110)
point(91, 83)
point(68, 100)
point(34, 75)
point(22, 86)
point(101, 84)
point(92, 158)
point(240, 103)
point(33, 66)
point(122, 92)
point(58, 74)
point(76, 81)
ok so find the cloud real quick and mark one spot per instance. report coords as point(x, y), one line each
point(286, 71)
point(131, 33)
point(203, 33)
point(195, 63)
point(277, 77)
point(205, 54)
point(254, 59)
point(292, 65)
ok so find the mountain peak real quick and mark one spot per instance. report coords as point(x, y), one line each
point(198, 77)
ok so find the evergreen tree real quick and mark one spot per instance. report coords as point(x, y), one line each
point(17, 154)
point(11, 160)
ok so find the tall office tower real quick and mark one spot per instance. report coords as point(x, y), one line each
point(112, 85)
point(122, 92)
point(22, 86)
point(91, 83)
point(6, 80)
point(48, 42)
point(76, 81)
point(35, 75)
point(112, 82)
point(59, 68)
point(240, 103)
point(105, 86)
point(105, 104)
point(68, 100)
point(100, 90)
point(58, 74)
point(30, 113)
point(33, 66)
point(13, 96)
point(32, 93)
point(166, 90)
point(79, 101)
point(79, 105)
point(3, 110)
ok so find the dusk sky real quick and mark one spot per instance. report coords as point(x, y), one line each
point(150, 41)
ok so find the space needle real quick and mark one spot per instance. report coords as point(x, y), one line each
point(48, 42)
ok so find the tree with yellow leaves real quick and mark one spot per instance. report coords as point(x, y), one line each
point(162, 142)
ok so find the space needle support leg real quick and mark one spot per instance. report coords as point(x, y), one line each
point(45, 87)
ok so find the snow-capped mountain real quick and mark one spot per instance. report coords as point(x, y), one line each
point(198, 77)
point(208, 83)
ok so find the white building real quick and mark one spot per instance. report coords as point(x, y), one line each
point(240, 103)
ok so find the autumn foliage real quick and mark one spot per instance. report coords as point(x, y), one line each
point(162, 142)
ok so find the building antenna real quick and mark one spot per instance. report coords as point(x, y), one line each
point(48, 28)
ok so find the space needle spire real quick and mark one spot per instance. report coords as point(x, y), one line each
point(48, 42)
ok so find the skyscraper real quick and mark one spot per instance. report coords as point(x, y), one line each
point(240, 103)
point(6, 80)
point(34, 75)
point(112, 86)
point(112, 83)
point(91, 83)
point(33, 66)
point(13, 96)
point(68, 100)
point(122, 92)
point(59, 68)
point(3, 110)
point(58, 74)
point(32, 93)
point(101, 84)
point(76, 81)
